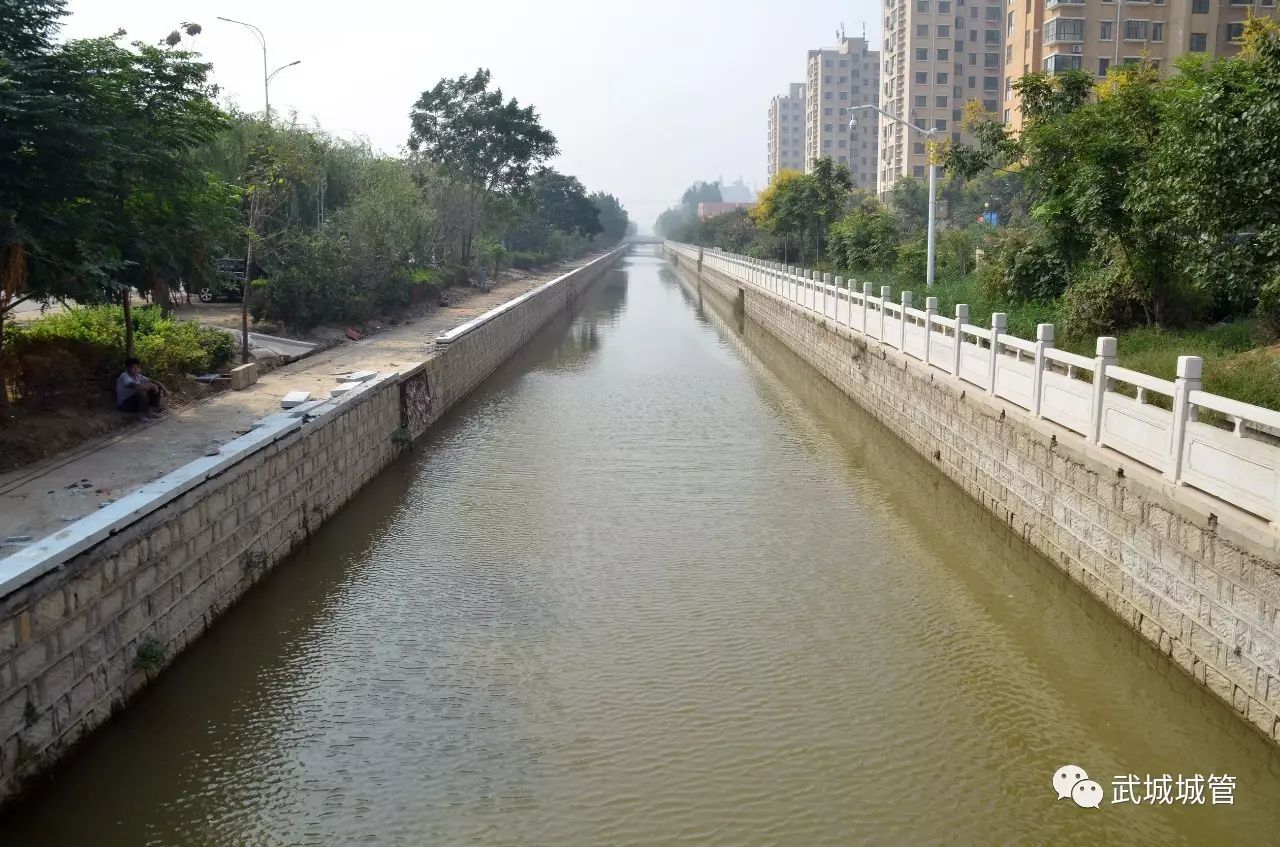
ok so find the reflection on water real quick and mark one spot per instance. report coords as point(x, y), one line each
point(657, 582)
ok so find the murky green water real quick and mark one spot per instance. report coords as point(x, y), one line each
point(658, 583)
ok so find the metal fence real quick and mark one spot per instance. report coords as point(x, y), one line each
point(1220, 446)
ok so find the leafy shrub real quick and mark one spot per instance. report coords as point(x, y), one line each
point(1269, 303)
point(1019, 264)
point(1101, 301)
point(865, 239)
point(527, 260)
point(911, 267)
point(68, 357)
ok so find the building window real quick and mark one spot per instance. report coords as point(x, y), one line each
point(844, 143)
point(826, 127)
point(844, 95)
point(844, 63)
point(1009, 25)
point(1235, 31)
point(922, 54)
point(942, 78)
point(1157, 31)
point(827, 63)
point(993, 13)
point(922, 30)
point(1199, 42)
point(920, 101)
point(1104, 65)
point(922, 78)
point(992, 83)
point(1199, 7)
point(990, 106)
point(991, 60)
point(940, 101)
point(940, 123)
point(1064, 29)
point(826, 95)
point(1008, 54)
point(1104, 30)
point(842, 80)
point(917, 147)
point(827, 79)
point(917, 171)
point(922, 5)
point(973, 82)
point(827, 111)
point(944, 7)
point(944, 55)
point(1058, 62)
point(993, 36)
point(1006, 116)
point(1135, 30)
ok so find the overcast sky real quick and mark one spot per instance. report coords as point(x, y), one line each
point(644, 98)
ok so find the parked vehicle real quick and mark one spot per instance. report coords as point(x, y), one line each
point(229, 286)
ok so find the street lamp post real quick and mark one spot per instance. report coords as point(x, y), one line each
point(930, 134)
point(266, 77)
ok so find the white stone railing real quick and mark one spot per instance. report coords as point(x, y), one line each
point(1233, 456)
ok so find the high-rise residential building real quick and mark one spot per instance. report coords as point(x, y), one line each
point(839, 79)
point(786, 131)
point(938, 55)
point(1097, 34)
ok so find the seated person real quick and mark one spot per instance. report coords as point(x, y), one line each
point(136, 393)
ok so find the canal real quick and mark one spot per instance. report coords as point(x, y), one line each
point(657, 582)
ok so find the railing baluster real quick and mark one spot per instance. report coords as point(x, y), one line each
point(1190, 370)
point(999, 323)
point(1044, 339)
point(962, 318)
point(1105, 355)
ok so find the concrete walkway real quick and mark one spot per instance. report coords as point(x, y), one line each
point(40, 499)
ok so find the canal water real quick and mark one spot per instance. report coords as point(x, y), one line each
point(658, 583)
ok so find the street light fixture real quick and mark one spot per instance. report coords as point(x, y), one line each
point(931, 135)
point(266, 77)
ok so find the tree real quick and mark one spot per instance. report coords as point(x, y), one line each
point(832, 187)
point(909, 199)
point(98, 192)
point(614, 221)
point(785, 209)
point(488, 145)
point(1210, 182)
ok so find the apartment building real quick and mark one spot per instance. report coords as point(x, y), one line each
point(839, 79)
point(1053, 35)
point(786, 131)
point(938, 55)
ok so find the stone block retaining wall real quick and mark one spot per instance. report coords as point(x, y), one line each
point(1198, 578)
point(80, 639)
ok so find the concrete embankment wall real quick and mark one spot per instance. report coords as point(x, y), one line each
point(90, 616)
point(1195, 577)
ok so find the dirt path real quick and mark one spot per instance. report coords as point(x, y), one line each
point(40, 499)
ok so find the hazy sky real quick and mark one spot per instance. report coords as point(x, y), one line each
point(644, 97)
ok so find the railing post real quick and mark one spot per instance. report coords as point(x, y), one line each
point(866, 295)
point(962, 318)
point(1044, 339)
point(885, 294)
point(902, 324)
point(999, 323)
point(930, 309)
point(1105, 354)
point(840, 288)
point(699, 260)
point(1190, 371)
point(826, 283)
